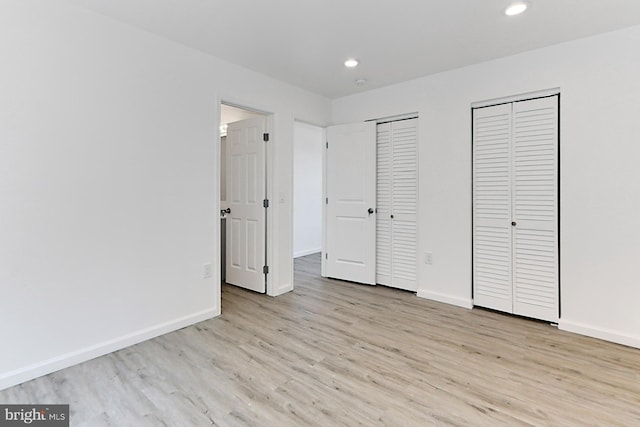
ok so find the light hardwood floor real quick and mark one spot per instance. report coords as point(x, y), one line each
point(335, 353)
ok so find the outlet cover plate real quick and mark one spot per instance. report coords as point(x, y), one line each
point(207, 271)
point(428, 258)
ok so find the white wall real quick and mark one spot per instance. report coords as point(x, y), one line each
point(109, 185)
point(307, 189)
point(600, 179)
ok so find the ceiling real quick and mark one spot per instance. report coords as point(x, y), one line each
point(305, 42)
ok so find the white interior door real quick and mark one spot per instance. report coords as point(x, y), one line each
point(535, 208)
point(351, 192)
point(246, 191)
point(492, 264)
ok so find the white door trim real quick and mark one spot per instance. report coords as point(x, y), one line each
point(395, 118)
point(516, 98)
point(323, 258)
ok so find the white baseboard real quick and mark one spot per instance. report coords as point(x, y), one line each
point(18, 376)
point(445, 298)
point(306, 252)
point(601, 333)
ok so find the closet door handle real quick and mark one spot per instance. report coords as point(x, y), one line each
point(391, 216)
point(513, 223)
point(370, 211)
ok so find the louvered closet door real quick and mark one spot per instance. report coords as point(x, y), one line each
point(405, 204)
point(535, 208)
point(397, 204)
point(492, 207)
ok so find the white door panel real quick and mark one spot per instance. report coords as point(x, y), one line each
point(245, 194)
point(351, 187)
point(397, 204)
point(405, 204)
point(492, 208)
point(535, 213)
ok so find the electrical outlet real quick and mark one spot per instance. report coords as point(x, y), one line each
point(428, 258)
point(207, 271)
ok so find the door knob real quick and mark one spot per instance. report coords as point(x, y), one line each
point(391, 216)
point(370, 210)
point(513, 223)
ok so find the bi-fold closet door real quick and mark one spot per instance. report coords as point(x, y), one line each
point(397, 204)
point(515, 208)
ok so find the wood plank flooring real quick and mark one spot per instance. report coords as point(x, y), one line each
point(334, 353)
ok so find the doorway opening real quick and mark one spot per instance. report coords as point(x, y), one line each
point(308, 144)
point(243, 197)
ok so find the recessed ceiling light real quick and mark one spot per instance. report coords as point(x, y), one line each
point(350, 63)
point(515, 8)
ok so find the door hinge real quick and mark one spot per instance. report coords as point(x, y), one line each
point(327, 144)
point(265, 203)
point(265, 269)
point(326, 201)
point(265, 137)
point(326, 255)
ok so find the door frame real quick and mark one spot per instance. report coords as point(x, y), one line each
point(507, 100)
point(270, 230)
point(323, 250)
